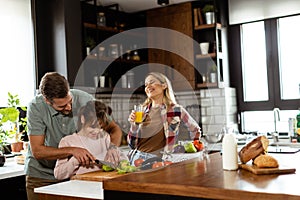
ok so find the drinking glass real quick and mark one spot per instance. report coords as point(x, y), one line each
point(139, 112)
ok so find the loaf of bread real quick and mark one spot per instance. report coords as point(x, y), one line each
point(265, 160)
point(257, 146)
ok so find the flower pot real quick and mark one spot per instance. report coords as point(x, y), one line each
point(210, 17)
point(213, 77)
point(16, 146)
point(204, 47)
point(2, 160)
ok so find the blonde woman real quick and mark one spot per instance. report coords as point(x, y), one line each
point(160, 127)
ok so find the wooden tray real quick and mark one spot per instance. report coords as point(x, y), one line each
point(254, 169)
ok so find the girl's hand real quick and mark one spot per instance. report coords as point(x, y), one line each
point(113, 155)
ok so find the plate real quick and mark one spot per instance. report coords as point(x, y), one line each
point(179, 157)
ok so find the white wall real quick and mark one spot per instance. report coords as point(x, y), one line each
point(241, 11)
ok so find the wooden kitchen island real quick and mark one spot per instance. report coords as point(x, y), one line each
point(205, 179)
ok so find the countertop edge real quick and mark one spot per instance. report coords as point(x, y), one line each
point(74, 188)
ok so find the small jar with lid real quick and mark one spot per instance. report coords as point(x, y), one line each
point(135, 55)
point(101, 19)
point(113, 51)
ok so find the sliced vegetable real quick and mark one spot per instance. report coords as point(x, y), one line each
point(190, 148)
point(107, 168)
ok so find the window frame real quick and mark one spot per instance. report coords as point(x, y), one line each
point(272, 55)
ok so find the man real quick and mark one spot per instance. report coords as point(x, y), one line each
point(51, 115)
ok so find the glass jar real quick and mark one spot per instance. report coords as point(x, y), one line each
point(135, 55)
point(130, 79)
point(113, 51)
point(101, 20)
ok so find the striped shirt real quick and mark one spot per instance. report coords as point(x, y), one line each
point(171, 122)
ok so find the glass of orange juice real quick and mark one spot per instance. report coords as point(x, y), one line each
point(139, 112)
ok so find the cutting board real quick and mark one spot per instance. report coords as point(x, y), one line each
point(278, 170)
point(96, 176)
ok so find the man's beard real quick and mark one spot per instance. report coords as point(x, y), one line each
point(67, 113)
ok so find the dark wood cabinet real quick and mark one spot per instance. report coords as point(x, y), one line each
point(176, 51)
point(187, 18)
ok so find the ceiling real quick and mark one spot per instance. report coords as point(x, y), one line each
point(131, 6)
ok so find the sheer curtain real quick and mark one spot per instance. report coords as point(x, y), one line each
point(17, 66)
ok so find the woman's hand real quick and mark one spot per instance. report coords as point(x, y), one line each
point(132, 117)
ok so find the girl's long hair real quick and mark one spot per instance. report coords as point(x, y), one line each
point(93, 110)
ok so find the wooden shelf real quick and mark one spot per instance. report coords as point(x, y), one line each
point(109, 59)
point(102, 28)
point(208, 26)
point(107, 90)
point(210, 55)
point(207, 85)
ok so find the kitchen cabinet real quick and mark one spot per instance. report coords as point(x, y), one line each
point(110, 50)
point(216, 35)
point(175, 17)
point(192, 64)
point(12, 179)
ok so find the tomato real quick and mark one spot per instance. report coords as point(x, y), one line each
point(198, 144)
point(167, 162)
point(138, 162)
point(157, 164)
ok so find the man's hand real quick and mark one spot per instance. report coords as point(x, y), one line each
point(84, 157)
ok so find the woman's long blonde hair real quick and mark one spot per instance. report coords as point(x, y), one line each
point(169, 97)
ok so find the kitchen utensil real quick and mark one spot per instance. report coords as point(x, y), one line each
point(112, 165)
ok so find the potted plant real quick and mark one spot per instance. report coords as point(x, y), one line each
point(10, 122)
point(213, 73)
point(209, 13)
point(89, 44)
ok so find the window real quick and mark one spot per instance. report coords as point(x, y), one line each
point(254, 66)
point(289, 42)
point(266, 75)
point(16, 50)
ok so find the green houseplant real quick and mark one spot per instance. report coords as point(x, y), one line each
point(10, 121)
point(209, 13)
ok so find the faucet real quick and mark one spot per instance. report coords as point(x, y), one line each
point(276, 113)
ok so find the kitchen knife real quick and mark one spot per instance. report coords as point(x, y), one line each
point(98, 162)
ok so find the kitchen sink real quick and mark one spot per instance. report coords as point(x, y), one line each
point(286, 144)
point(282, 149)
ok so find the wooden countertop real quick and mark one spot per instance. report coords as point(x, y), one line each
point(206, 179)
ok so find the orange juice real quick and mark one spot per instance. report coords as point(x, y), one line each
point(138, 116)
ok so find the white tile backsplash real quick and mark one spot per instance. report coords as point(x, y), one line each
point(218, 106)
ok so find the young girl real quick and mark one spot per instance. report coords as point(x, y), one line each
point(91, 137)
